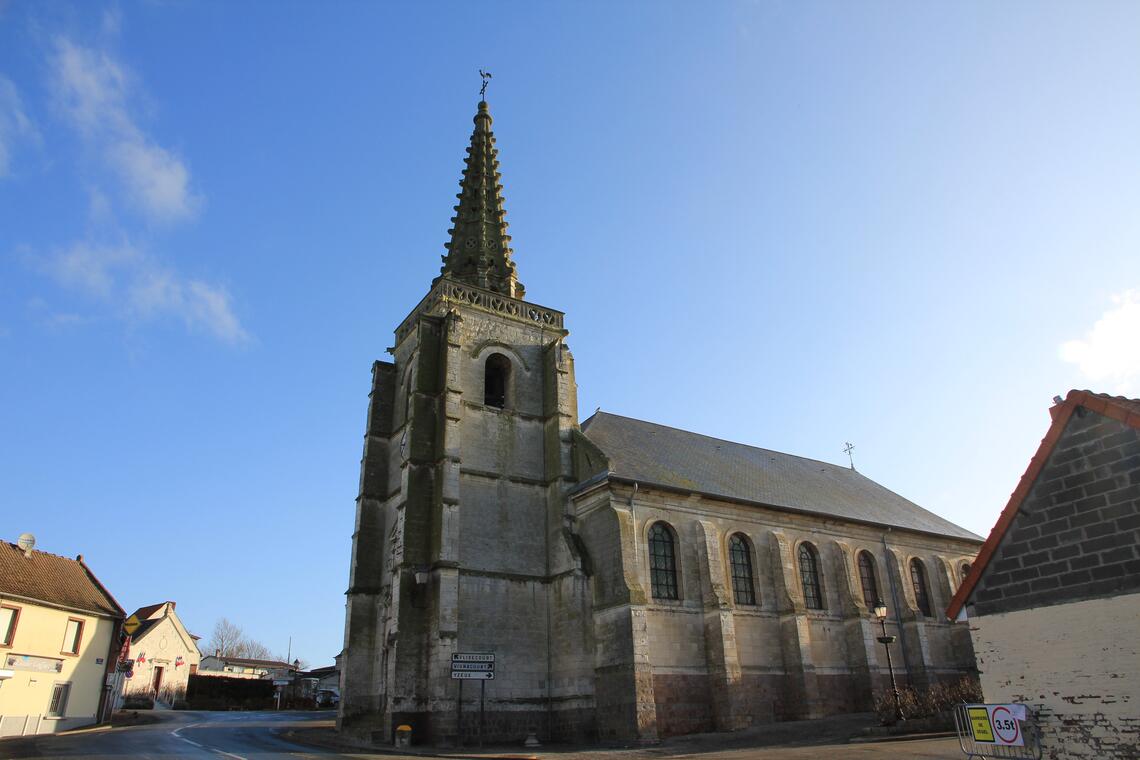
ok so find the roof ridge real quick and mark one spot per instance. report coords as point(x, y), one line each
point(734, 443)
point(41, 551)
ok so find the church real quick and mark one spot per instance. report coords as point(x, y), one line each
point(631, 580)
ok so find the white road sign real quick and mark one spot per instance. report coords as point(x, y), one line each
point(473, 666)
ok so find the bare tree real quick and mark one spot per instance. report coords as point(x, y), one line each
point(225, 639)
point(230, 640)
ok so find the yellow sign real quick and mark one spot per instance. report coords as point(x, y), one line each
point(980, 724)
point(131, 625)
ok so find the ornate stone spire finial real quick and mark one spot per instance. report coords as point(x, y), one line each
point(479, 251)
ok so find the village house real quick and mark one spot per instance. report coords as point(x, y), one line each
point(1053, 600)
point(218, 664)
point(59, 640)
point(163, 654)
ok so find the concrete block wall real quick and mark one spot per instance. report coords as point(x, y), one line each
point(1077, 534)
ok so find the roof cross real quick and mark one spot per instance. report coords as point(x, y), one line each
point(486, 75)
point(847, 449)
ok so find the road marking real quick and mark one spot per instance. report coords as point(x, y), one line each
point(175, 733)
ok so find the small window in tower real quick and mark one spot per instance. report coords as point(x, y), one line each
point(496, 377)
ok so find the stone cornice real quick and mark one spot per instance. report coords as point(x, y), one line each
point(447, 292)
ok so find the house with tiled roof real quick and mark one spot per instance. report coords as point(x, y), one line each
point(163, 655)
point(219, 664)
point(1053, 599)
point(59, 640)
point(633, 580)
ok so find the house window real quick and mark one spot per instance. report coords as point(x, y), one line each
point(918, 580)
point(867, 578)
point(9, 616)
point(72, 636)
point(743, 587)
point(58, 706)
point(809, 577)
point(662, 562)
point(496, 375)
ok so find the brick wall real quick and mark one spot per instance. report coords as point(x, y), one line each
point(1077, 534)
point(1081, 678)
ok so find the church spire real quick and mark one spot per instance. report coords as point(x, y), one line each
point(479, 252)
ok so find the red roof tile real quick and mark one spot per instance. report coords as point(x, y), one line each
point(55, 580)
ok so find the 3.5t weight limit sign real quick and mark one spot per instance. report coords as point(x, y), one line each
point(473, 666)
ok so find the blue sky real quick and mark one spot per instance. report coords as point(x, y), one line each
point(905, 225)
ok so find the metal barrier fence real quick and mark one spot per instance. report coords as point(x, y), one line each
point(997, 731)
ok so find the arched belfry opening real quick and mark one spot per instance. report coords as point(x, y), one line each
point(496, 380)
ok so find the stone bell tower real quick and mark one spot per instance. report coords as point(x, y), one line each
point(463, 541)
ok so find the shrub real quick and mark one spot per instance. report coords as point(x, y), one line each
point(138, 702)
point(932, 701)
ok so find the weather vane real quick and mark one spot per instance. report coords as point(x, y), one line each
point(847, 450)
point(486, 80)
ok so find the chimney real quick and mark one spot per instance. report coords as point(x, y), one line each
point(218, 653)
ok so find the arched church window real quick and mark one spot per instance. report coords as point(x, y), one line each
point(965, 570)
point(918, 580)
point(740, 558)
point(496, 376)
point(662, 562)
point(809, 577)
point(867, 578)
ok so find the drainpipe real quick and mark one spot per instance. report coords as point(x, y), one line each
point(895, 604)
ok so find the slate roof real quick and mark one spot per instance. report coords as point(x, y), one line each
point(655, 454)
point(54, 580)
point(1125, 410)
point(143, 629)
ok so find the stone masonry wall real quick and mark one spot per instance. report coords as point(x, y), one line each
point(774, 660)
point(1076, 664)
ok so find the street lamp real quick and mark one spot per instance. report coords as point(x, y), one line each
point(886, 641)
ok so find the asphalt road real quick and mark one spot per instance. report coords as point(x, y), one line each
point(255, 736)
point(193, 735)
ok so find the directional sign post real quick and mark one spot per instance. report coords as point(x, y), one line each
point(472, 666)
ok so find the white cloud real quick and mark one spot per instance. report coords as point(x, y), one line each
point(91, 269)
point(1110, 351)
point(93, 89)
point(14, 123)
point(141, 289)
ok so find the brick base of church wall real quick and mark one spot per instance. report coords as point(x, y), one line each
point(577, 724)
point(684, 704)
point(499, 726)
point(838, 694)
point(761, 693)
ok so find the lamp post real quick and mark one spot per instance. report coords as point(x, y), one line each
point(886, 641)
